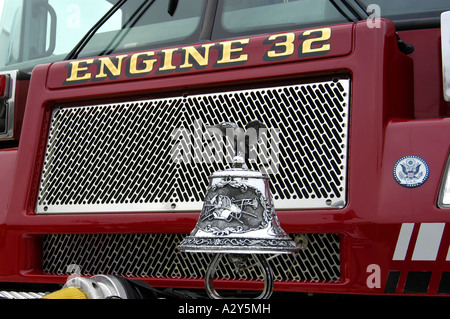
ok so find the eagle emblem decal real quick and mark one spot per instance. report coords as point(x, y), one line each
point(411, 171)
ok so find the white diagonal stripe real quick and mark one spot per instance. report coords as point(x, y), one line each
point(403, 241)
point(428, 241)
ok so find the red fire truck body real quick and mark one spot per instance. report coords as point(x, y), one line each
point(391, 239)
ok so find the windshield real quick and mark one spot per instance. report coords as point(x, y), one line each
point(237, 17)
point(148, 24)
point(40, 31)
point(33, 32)
point(410, 9)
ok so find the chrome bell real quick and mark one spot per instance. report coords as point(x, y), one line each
point(238, 217)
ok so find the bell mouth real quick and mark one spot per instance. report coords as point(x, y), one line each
point(238, 245)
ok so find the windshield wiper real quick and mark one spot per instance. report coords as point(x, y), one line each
point(88, 36)
point(121, 34)
point(356, 9)
point(353, 12)
point(134, 18)
point(173, 5)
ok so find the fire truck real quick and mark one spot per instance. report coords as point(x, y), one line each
point(106, 148)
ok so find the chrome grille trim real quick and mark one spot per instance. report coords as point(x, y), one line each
point(155, 155)
point(156, 256)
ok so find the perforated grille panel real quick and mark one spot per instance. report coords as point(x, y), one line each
point(155, 255)
point(157, 154)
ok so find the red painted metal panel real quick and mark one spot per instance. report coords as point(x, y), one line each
point(382, 130)
point(305, 45)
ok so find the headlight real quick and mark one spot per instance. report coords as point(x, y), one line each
point(444, 194)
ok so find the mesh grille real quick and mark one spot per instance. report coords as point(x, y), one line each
point(157, 154)
point(155, 255)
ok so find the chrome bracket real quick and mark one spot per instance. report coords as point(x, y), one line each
point(445, 43)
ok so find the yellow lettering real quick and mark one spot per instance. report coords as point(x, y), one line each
point(308, 43)
point(168, 57)
point(75, 69)
point(191, 51)
point(113, 69)
point(286, 48)
point(230, 49)
point(148, 63)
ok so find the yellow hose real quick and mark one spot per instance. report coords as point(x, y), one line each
point(66, 293)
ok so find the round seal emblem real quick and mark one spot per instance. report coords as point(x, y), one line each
point(411, 171)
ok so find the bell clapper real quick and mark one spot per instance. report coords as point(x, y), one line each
point(238, 260)
point(262, 263)
point(242, 269)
